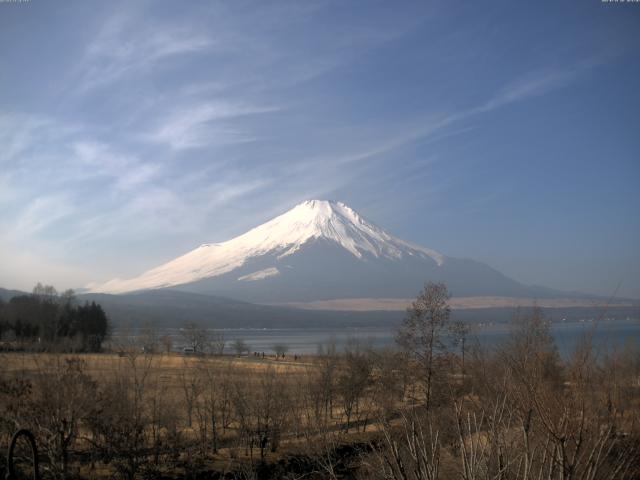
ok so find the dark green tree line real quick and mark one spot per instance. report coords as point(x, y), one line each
point(46, 317)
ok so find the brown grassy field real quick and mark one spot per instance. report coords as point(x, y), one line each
point(168, 366)
point(257, 399)
point(517, 411)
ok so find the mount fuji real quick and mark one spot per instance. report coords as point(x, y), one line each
point(320, 250)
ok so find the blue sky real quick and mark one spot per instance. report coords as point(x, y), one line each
point(507, 132)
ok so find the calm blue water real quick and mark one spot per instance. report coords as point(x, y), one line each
point(607, 335)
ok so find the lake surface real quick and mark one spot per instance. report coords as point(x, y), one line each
point(607, 335)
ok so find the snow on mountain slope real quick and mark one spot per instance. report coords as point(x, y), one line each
point(313, 220)
point(260, 274)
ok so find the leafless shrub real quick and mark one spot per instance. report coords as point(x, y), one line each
point(353, 381)
point(119, 421)
point(408, 451)
point(60, 401)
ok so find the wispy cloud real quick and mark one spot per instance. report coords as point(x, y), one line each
point(17, 133)
point(21, 133)
point(224, 192)
point(43, 212)
point(128, 44)
point(532, 84)
point(97, 190)
point(204, 124)
point(128, 171)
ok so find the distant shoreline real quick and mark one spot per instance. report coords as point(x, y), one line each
point(458, 303)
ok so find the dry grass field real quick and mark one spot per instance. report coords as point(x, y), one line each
point(418, 412)
point(232, 411)
point(169, 367)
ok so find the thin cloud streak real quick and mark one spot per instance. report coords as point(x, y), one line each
point(204, 124)
point(127, 44)
point(532, 85)
point(127, 171)
point(42, 213)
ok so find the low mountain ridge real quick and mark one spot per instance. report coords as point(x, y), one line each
point(7, 294)
point(172, 308)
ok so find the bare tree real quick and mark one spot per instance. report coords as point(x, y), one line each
point(217, 343)
point(262, 411)
point(422, 331)
point(210, 404)
point(353, 380)
point(149, 338)
point(280, 349)
point(324, 386)
point(195, 336)
point(119, 421)
point(167, 343)
point(45, 292)
point(61, 397)
point(411, 453)
point(459, 332)
point(240, 347)
point(191, 386)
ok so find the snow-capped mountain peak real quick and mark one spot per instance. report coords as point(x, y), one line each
point(333, 221)
point(309, 221)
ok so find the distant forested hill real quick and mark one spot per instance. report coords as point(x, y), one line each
point(6, 295)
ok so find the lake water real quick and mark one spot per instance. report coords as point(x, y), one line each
point(606, 334)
